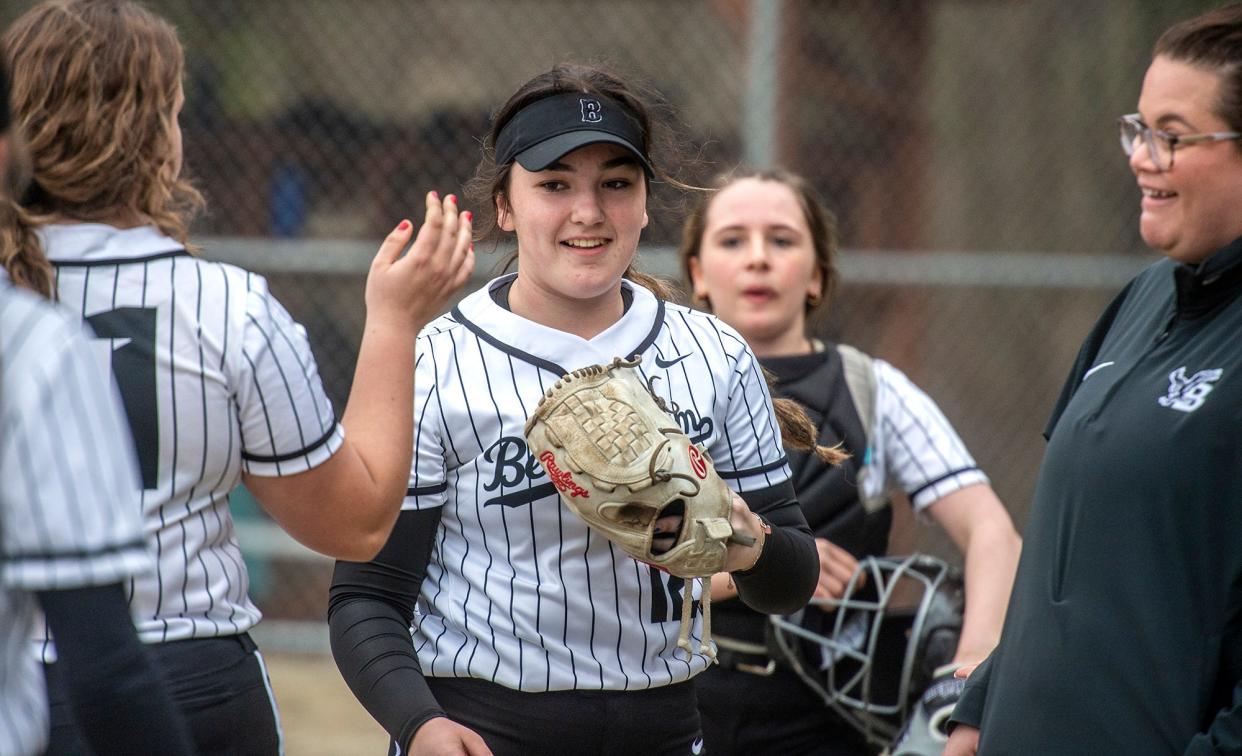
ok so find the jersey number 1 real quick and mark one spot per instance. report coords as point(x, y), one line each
point(133, 364)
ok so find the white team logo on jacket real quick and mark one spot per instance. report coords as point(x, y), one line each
point(1188, 394)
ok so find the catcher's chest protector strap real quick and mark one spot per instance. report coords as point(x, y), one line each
point(859, 370)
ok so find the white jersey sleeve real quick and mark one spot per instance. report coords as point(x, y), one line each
point(428, 473)
point(68, 478)
point(914, 447)
point(69, 509)
point(748, 452)
point(287, 422)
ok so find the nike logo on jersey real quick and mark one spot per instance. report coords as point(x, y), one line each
point(1098, 367)
point(666, 364)
point(696, 747)
point(1188, 394)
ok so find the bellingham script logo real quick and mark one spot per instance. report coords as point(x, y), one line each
point(562, 479)
point(592, 112)
point(1188, 394)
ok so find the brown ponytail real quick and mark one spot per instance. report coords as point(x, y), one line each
point(798, 432)
point(21, 255)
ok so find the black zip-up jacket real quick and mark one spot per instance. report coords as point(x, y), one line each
point(1124, 631)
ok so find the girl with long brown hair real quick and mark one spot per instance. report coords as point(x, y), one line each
point(218, 381)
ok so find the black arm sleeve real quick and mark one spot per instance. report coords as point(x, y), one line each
point(784, 578)
point(119, 699)
point(370, 608)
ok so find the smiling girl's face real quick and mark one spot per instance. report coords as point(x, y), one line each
point(577, 224)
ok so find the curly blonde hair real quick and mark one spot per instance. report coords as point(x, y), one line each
point(94, 90)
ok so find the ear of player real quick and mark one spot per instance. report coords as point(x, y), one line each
point(620, 463)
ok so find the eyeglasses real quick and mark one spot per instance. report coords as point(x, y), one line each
point(1161, 144)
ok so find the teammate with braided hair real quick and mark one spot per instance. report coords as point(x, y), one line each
point(218, 381)
point(532, 633)
point(70, 534)
point(760, 252)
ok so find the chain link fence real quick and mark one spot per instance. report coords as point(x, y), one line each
point(969, 148)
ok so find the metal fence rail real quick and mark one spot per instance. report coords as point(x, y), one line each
point(989, 336)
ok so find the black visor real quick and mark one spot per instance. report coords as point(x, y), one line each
point(548, 129)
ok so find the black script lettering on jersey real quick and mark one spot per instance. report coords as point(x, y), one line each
point(514, 467)
point(514, 463)
point(699, 429)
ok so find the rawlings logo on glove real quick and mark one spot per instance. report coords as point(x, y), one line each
point(620, 461)
point(563, 481)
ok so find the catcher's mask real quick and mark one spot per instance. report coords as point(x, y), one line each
point(871, 653)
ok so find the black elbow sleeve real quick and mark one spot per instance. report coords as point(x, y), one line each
point(370, 607)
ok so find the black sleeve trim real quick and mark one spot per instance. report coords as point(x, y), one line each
point(120, 260)
point(735, 474)
point(293, 455)
point(370, 608)
point(427, 490)
point(138, 544)
point(934, 481)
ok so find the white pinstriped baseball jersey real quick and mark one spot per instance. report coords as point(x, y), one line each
point(913, 446)
point(519, 591)
point(69, 514)
point(216, 379)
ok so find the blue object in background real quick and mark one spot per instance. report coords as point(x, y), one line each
point(288, 201)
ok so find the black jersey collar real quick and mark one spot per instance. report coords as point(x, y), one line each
point(1203, 287)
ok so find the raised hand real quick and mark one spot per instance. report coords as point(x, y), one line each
point(413, 288)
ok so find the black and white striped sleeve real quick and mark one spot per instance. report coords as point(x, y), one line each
point(68, 478)
point(914, 446)
point(287, 422)
point(748, 452)
point(428, 487)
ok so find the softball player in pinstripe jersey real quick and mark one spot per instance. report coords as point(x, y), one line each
point(532, 634)
point(761, 251)
point(218, 382)
point(69, 525)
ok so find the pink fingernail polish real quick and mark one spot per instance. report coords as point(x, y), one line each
point(453, 198)
point(435, 194)
point(403, 225)
point(469, 216)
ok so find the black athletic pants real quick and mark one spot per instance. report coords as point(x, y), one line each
point(744, 713)
point(219, 684)
point(661, 720)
